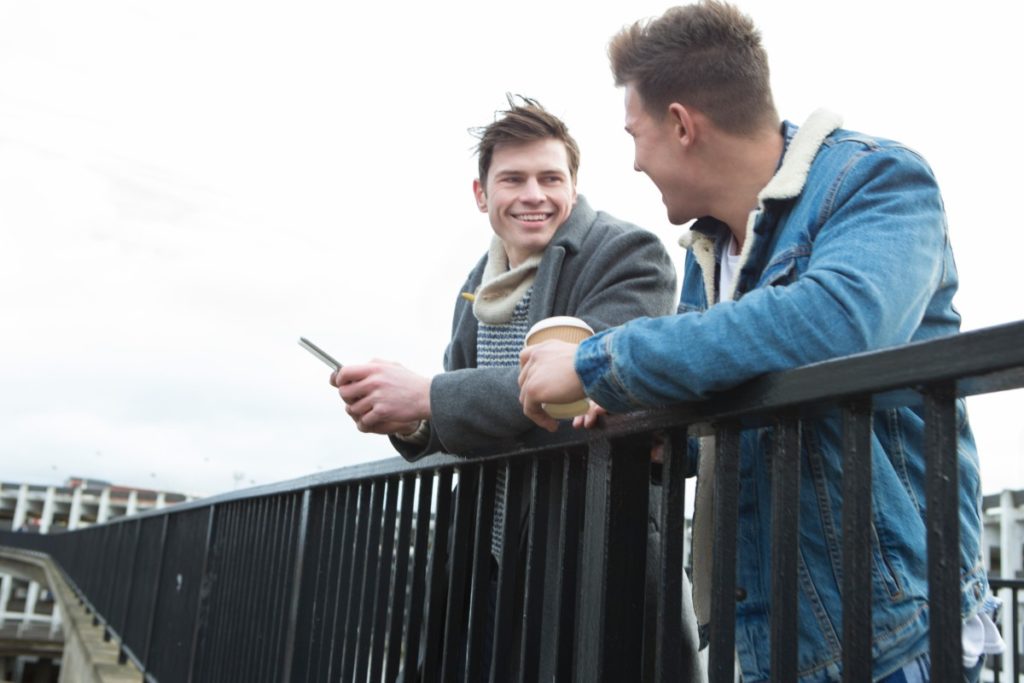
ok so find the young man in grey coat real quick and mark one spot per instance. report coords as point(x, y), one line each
point(551, 254)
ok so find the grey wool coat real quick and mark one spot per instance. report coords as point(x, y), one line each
point(597, 268)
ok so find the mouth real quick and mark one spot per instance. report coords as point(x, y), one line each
point(535, 217)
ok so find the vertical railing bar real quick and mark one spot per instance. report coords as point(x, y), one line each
point(401, 578)
point(251, 592)
point(480, 586)
point(570, 518)
point(857, 540)
point(202, 600)
point(343, 591)
point(111, 558)
point(671, 652)
point(614, 557)
point(323, 624)
point(351, 634)
point(1015, 640)
point(369, 587)
point(296, 586)
point(213, 643)
point(536, 563)
point(588, 649)
point(414, 622)
point(292, 555)
point(436, 597)
point(122, 657)
point(224, 645)
point(384, 570)
point(943, 521)
point(460, 562)
point(504, 612)
point(158, 574)
point(310, 623)
point(722, 629)
point(785, 539)
point(267, 590)
point(259, 541)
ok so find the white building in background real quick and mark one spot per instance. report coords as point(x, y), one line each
point(1003, 537)
point(25, 610)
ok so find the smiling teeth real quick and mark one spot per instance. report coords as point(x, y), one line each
point(532, 216)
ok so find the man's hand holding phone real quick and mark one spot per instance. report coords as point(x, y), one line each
point(381, 396)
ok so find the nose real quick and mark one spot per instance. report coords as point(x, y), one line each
point(532, 191)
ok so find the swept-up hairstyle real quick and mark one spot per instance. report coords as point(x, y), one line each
point(525, 120)
point(707, 55)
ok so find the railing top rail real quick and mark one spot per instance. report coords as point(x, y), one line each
point(980, 361)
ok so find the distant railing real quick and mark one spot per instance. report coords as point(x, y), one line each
point(1007, 666)
point(384, 571)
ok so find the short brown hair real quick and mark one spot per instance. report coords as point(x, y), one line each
point(523, 121)
point(707, 55)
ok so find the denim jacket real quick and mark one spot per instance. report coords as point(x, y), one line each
point(847, 252)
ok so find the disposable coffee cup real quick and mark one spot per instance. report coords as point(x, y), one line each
point(568, 329)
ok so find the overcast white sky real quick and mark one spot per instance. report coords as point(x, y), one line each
point(187, 187)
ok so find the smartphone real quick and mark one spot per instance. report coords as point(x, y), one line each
point(319, 353)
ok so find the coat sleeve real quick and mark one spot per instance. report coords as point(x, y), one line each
point(618, 275)
point(879, 257)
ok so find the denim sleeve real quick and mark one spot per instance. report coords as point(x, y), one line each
point(876, 255)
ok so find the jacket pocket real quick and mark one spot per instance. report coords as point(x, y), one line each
point(883, 570)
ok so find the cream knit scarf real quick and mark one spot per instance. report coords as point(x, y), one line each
point(500, 288)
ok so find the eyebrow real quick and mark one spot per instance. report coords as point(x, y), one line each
point(512, 171)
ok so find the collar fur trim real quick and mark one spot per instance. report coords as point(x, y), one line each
point(787, 183)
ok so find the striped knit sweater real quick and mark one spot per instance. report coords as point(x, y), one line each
point(498, 345)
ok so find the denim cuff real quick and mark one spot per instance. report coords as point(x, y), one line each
point(592, 359)
point(596, 370)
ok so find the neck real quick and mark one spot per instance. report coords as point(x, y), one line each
point(744, 165)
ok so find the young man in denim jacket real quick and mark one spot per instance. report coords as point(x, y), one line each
point(809, 243)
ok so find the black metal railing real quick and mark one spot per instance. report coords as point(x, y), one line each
point(393, 571)
point(1007, 666)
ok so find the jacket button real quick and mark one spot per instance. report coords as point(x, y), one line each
point(741, 595)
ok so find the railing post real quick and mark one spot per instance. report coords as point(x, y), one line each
point(480, 587)
point(609, 645)
point(943, 518)
point(205, 587)
point(673, 656)
point(402, 583)
point(156, 593)
point(722, 629)
point(296, 587)
point(122, 655)
point(857, 526)
point(785, 544)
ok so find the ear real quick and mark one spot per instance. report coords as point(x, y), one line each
point(481, 196)
point(682, 121)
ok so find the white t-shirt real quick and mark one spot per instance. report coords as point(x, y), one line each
point(728, 269)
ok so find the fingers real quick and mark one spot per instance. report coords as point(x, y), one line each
point(537, 414)
point(589, 419)
point(534, 410)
